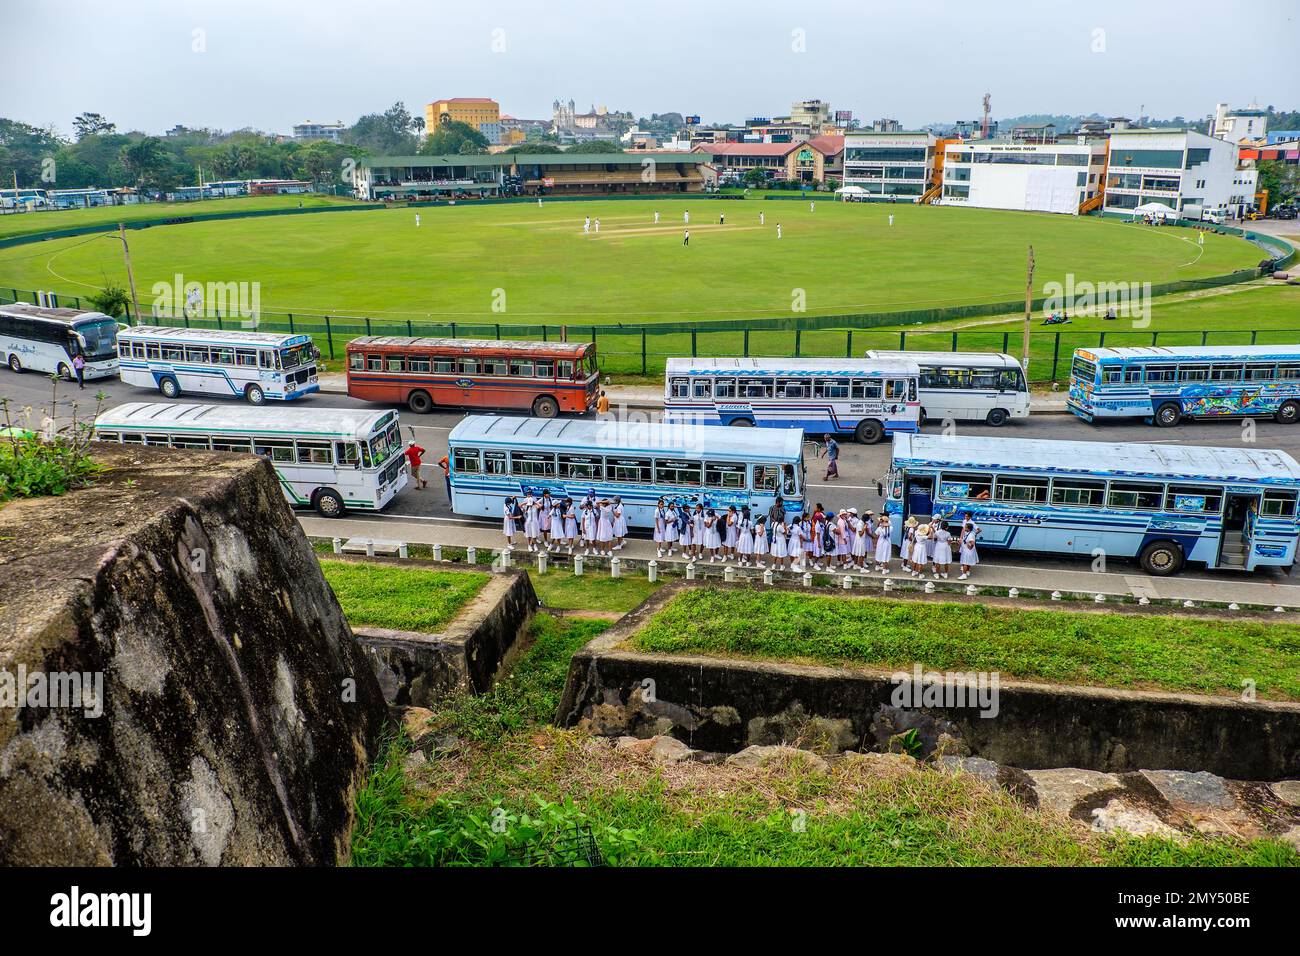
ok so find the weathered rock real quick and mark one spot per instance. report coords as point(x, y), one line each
point(758, 756)
point(1291, 836)
point(1199, 789)
point(238, 714)
point(1117, 815)
point(669, 750)
point(415, 760)
point(878, 762)
point(986, 771)
point(824, 735)
point(1288, 791)
point(1060, 790)
point(415, 722)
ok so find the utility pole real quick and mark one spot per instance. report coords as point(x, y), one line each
point(135, 302)
point(1029, 312)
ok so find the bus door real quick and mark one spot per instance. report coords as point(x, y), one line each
point(918, 496)
point(1240, 513)
point(267, 374)
point(349, 479)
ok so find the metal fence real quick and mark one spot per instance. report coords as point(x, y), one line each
point(644, 349)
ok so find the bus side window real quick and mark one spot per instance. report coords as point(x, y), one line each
point(107, 436)
point(566, 369)
point(465, 461)
point(314, 453)
point(494, 463)
point(1279, 504)
point(1260, 373)
point(356, 361)
point(702, 387)
point(396, 363)
point(347, 454)
point(1112, 375)
point(765, 477)
point(266, 359)
point(414, 364)
point(1288, 373)
point(1161, 373)
point(374, 363)
point(137, 350)
point(788, 486)
point(1225, 373)
point(724, 389)
point(1133, 375)
point(680, 388)
point(223, 356)
point(196, 354)
point(124, 349)
point(245, 358)
point(1193, 373)
point(831, 388)
point(521, 367)
point(545, 369)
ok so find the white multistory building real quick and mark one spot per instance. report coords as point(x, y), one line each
point(1038, 177)
point(1183, 169)
point(894, 165)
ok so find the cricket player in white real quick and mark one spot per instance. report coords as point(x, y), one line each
point(417, 220)
point(656, 218)
point(586, 224)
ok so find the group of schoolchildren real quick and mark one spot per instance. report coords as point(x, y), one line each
point(552, 523)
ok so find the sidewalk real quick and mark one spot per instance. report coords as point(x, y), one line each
point(649, 397)
point(996, 571)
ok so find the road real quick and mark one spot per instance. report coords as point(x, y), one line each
point(424, 516)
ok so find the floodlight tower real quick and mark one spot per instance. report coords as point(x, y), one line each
point(984, 126)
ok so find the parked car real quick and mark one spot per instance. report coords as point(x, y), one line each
point(1285, 212)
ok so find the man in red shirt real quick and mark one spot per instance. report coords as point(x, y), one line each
point(414, 458)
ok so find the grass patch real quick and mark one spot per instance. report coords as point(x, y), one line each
point(406, 599)
point(1203, 655)
point(594, 591)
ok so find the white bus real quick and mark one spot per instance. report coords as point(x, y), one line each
point(257, 366)
point(981, 386)
point(869, 398)
point(493, 457)
point(331, 459)
point(38, 339)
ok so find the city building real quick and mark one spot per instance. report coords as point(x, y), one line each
point(814, 114)
point(809, 161)
point(1042, 177)
point(1033, 133)
point(1237, 126)
point(974, 129)
point(1181, 168)
point(309, 130)
point(895, 164)
point(599, 122)
point(506, 174)
point(886, 126)
point(479, 112)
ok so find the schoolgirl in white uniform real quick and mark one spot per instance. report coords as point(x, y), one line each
point(760, 541)
point(508, 522)
point(605, 527)
point(909, 543)
point(732, 537)
point(570, 524)
point(795, 545)
point(861, 542)
point(686, 531)
point(744, 537)
point(557, 524)
point(697, 531)
point(920, 550)
point(620, 524)
point(670, 527)
point(544, 519)
point(883, 545)
point(713, 535)
point(661, 527)
point(529, 507)
point(780, 545)
point(969, 556)
point(812, 542)
point(942, 550)
point(843, 539)
point(588, 527)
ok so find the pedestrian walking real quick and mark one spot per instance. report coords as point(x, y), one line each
point(79, 367)
point(415, 460)
point(832, 458)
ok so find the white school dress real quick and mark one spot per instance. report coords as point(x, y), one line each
point(796, 541)
point(570, 525)
point(557, 521)
point(713, 537)
point(760, 539)
point(670, 525)
point(969, 556)
point(589, 523)
point(687, 531)
point(661, 526)
point(814, 542)
point(530, 518)
point(697, 530)
point(544, 518)
point(860, 540)
point(779, 548)
point(883, 546)
point(942, 547)
point(508, 522)
point(620, 522)
point(843, 537)
point(745, 537)
point(920, 550)
point(733, 530)
point(605, 524)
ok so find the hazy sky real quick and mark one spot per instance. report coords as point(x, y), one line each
point(148, 64)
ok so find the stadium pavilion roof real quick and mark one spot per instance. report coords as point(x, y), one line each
point(534, 159)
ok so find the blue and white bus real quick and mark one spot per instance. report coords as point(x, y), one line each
point(867, 397)
point(1162, 504)
point(255, 366)
point(1164, 385)
point(493, 457)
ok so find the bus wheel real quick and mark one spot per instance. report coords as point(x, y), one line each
point(419, 402)
point(546, 407)
point(14, 364)
point(255, 395)
point(741, 423)
point(169, 387)
point(1287, 413)
point(1168, 415)
point(329, 504)
point(868, 432)
point(997, 417)
point(64, 373)
point(1161, 558)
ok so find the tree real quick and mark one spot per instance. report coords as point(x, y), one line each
point(92, 124)
point(454, 138)
point(112, 300)
point(534, 148)
point(391, 133)
point(24, 149)
point(600, 146)
point(1280, 179)
point(144, 161)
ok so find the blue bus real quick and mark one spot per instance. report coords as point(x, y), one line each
point(1165, 505)
point(493, 457)
point(867, 397)
point(1164, 385)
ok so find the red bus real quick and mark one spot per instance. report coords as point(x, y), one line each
point(544, 377)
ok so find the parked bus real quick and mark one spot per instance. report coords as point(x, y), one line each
point(332, 459)
point(257, 366)
point(39, 339)
point(869, 398)
point(1162, 504)
point(23, 199)
point(1164, 385)
point(544, 378)
point(493, 457)
point(982, 386)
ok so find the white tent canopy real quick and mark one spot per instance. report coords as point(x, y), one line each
point(1156, 208)
point(851, 191)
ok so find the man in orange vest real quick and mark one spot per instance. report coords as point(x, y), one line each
point(445, 465)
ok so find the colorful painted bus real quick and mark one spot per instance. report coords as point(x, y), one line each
point(1165, 505)
point(1163, 386)
point(543, 378)
point(493, 457)
point(335, 460)
point(866, 397)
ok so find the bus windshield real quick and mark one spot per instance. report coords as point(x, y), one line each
point(384, 445)
point(100, 336)
point(589, 363)
point(297, 355)
point(1084, 370)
